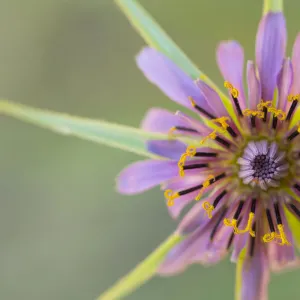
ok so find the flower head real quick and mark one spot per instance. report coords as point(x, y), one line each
point(237, 164)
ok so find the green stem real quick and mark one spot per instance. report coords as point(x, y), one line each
point(272, 5)
point(142, 272)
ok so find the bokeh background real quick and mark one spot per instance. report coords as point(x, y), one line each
point(64, 231)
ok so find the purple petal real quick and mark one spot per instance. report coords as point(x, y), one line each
point(254, 89)
point(144, 175)
point(160, 120)
point(255, 276)
point(270, 51)
point(212, 98)
point(174, 82)
point(285, 80)
point(180, 256)
point(295, 89)
point(230, 58)
point(171, 149)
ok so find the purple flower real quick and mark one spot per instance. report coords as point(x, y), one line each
point(241, 167)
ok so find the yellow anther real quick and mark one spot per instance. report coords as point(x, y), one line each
point(236, 230)
point(269, 237)
point(230, 222)
point(233, 91)
point(248, 227)
point(212, 136)
point(256, 113)
point(282, 236)
point(193, 102)
point(281, 115)
point(292, 98)
point(170, 196)
point(208, 208)
point(189, 152)
point(205, 185)
point(222, 121)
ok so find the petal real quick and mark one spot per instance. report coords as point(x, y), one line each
point(270, 51)
point(285, 80)
point(212, 98)
point(175, 83)
point(255, 276)
point(171, 149)
point(254, 89)
point(160, 120)
point(230, 58)
point(295, 89)
point(144, 175)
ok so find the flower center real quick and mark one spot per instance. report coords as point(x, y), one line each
point(263, 165)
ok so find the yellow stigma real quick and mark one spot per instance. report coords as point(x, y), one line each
point(171, 132)
point(212, 136)
point(193, 102)
point(236, 230)
point(223, 122)
point(292, 98)
point(189, 152)
point(208, 208)
point(264, 104)
point(281, 115)
point(233, 91)
point(280, 238)
point(170, 196)
point(255, 113)
point(205, 184)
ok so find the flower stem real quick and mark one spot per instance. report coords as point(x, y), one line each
point(272, 5)
point(142, 272)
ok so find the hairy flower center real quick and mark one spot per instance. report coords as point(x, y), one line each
point(263, 165)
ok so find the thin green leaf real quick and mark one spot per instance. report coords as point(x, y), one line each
point(155, 36)
point(272, 5)
point(119, 136)
point(143, 272)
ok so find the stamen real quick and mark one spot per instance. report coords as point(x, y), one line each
point(195, 166)
point(297, 187)
point(219, 198)
point(233, 222)
point(210, 179)
point(294, 134)
point(232, 236)
point(200, 109)
point(170, 196)
point(190, 152)
point(268, 237)
point(295, 209)
point(264, 105)
point(225, 126)
point(252, 241)
point(253, 113)
point(234, 94)
point(221, 217)
point(295, 100)
point(206, 154)
point(208, 208)
point(181, 128)
point(223, 142)
point(253, 121)
point(212, 136)
point(282, 236)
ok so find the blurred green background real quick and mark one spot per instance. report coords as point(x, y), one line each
point(64, 231)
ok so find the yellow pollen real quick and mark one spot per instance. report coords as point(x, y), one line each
point(223, 122)
point(233, 91)
point(256, 113)
point(208, 208)
point(171, 132)
point(170, 196)
point(236, 230)
point(205, 184)
point(263, 104)
point(189, 152)
point(281, 115)
point(212, 136)
point(280, 238)
point(292, 98)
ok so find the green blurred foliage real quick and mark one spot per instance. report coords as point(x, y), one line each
point(64, 231)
